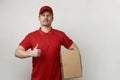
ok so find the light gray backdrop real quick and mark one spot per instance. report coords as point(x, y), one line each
point(94, 25)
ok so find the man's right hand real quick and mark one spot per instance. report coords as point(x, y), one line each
point(35, 52)
point(22, 53)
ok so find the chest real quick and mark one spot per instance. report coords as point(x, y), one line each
point(47, 41)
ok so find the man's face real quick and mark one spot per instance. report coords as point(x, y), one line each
point(46, 18)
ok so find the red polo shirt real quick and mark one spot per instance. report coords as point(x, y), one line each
point(47, 66)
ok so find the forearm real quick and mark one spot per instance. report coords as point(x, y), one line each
point(22, 53)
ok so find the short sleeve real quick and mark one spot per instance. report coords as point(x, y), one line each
point(26, 42)
point(66, 41)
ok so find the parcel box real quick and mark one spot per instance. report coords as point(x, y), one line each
point(71, 64)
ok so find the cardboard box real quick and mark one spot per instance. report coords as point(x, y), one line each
point(71, 64)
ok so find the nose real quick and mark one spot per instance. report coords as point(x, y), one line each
point(46, 16)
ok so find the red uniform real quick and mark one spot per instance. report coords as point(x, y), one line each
point(47, 66)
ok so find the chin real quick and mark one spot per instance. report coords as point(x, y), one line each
point(47, 25)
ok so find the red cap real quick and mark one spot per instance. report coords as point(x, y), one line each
point(44, 8)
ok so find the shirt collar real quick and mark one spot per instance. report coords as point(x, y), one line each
point(43, 33)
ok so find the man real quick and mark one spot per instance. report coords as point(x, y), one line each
point(45, 44)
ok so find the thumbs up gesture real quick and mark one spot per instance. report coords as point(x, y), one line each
point(35, 52)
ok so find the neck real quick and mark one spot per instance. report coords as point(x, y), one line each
point(46, 29)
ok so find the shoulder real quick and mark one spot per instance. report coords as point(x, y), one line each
point(33, 33)
point(59, 34)
point(56, 31)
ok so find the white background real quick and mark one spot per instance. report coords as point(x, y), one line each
point(94, 25)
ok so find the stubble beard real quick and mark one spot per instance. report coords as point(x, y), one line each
point(47, 24)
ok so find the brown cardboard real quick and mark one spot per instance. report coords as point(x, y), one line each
point(71, 64)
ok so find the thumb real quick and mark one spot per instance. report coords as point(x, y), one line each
point(36, 46)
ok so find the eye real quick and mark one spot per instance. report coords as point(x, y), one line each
point(49, 15)
point(43, 14)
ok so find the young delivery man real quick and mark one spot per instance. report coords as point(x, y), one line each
point(45, 44)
